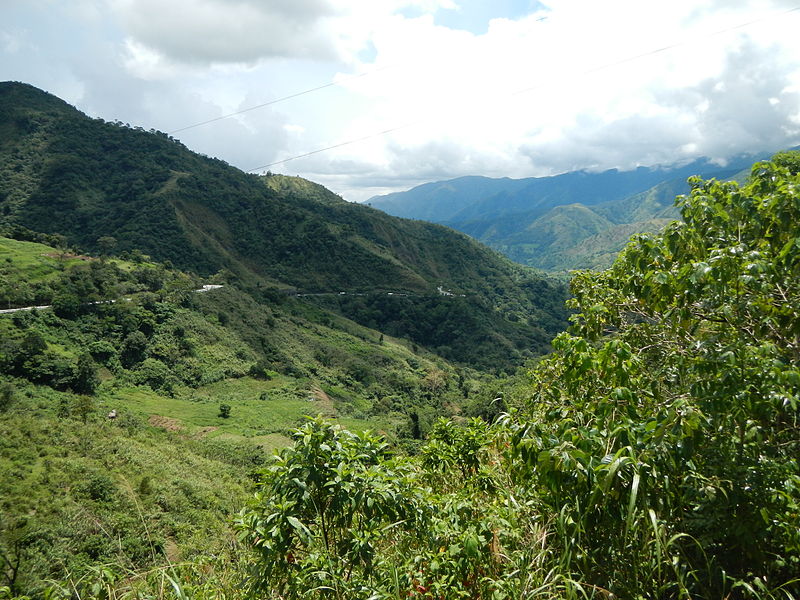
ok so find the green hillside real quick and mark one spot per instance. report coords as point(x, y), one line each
point(438, 202)
point(553, 233)
point(161, 481)
point(64, 174)
point(652, 454)
point(264, 423)
point(575, 236)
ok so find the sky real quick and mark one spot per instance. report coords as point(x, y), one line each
point(402, 92)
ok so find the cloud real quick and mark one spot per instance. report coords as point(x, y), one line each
point(205, 32)
point(748, 107)
point(751, 105)
point(229, 31)
point(624, 143)
point(587, 87)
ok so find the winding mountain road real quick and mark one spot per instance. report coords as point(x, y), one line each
point(5, 311)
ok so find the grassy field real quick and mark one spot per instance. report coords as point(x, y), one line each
point(31, 261)
point(262, 412)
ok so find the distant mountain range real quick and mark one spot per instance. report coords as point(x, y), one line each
point(569, 221)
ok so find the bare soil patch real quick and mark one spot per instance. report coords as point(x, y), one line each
point(167, 423)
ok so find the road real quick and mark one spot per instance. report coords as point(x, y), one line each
point(205, 288)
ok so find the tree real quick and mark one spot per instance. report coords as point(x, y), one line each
point(66, 304)
point(7, 394)
point(224, 410)
point(85, 379)
point(788, 159)
point(678, 387)
point(106, 244)
point(326, 506)
point(133, 349)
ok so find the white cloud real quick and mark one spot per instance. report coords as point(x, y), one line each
point(601, 80)
point(229, 31)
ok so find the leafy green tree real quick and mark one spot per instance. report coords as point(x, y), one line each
point(67, 304)
point(156, 374)
point(7, 394)
point(85, 379)
point(224, 410)
point(789, 159)
point(669, 412)
point(106, 244)
point(326, 506)
point(133, 349)
point(33, 344)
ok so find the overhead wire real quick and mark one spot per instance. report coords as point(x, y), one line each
point(428, 118)
point(295, 95)
point(535, 87)
point(284, 98)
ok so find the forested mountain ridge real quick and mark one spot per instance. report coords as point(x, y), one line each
point(63, 173)
point(524, 218)
point(651, 454)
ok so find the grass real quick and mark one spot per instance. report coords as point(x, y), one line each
point(31, 261)
point(262, 412)
point(80, 495)
point(35, 263)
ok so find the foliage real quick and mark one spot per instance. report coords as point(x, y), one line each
point(325, 505)
point(107, 377)
point(655, 458)
point(74, 502)
point(651, 455)
point(670, 411)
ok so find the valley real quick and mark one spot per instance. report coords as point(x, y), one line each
point(222, 385)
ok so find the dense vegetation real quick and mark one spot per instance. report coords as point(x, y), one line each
point(202, 386)
point(655, 458)
point(651, 454)
point(109, 189)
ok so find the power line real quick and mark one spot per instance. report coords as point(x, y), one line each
point(670, 47)
point(347, 143)
point(532, 88)
point(283, 99)
point(295, 95)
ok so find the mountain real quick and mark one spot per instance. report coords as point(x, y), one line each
point(440, 201)
point(568, 221)
point(107, 187)
point(136, 410)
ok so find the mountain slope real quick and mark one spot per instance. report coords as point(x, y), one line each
point(161, 481)
point(524, 220)
point(63, 173)
point(441, 201)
